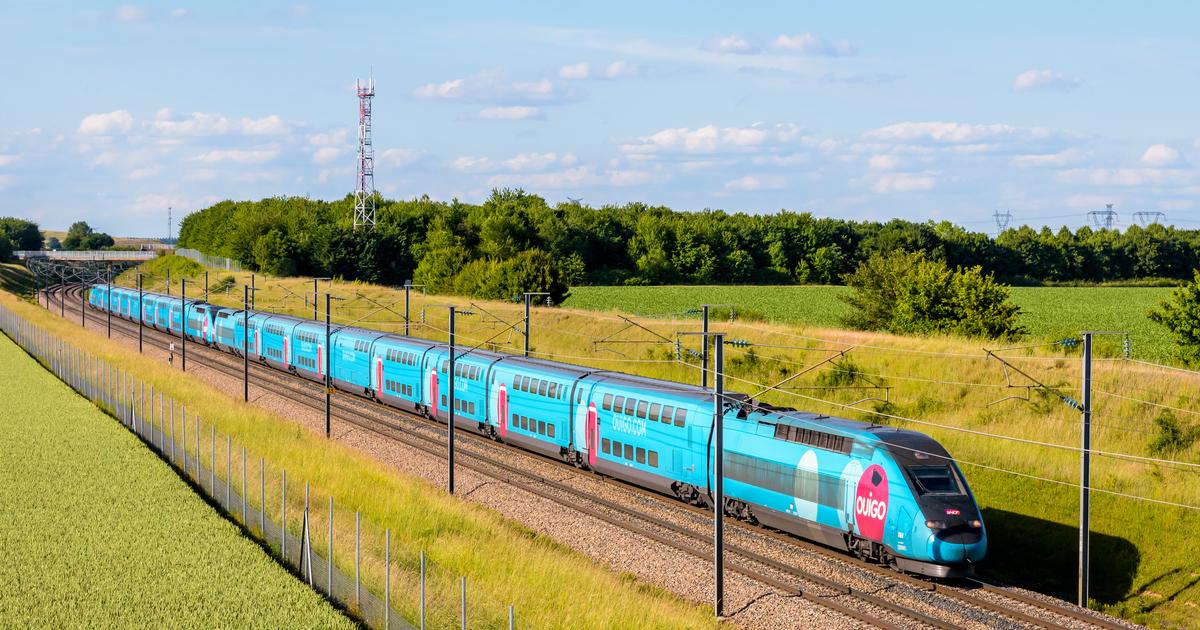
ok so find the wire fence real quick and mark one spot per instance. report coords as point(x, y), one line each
point(228, 264)
point(382, 585)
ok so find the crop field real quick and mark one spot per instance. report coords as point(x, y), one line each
point(1048, 313)
point(97, 532)
point(505, 563)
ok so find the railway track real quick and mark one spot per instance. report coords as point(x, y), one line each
point(421, 433)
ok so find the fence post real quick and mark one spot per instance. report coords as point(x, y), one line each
point(244, 522)
point(387, 578)
point(510, 617)
point(464, 602)
point(262, 499)
point(329, 575)
point(283, 515)
point(212, 468)
point(357, 559)
point(228, 471)
point(182, 433)
point(422, 589)
point(306, 540)
point(199, 482)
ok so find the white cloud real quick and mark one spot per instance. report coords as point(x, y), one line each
point(575, 71)
point(472, 164)
point(734, 44)
point(1060, 158)
point(180, 12)
point(112, 123)
point(756, 182)
point(325, 155)
point(711, 139)
point(629, 177)
point(1128, 177)
point(6, 160)
point(335, 137)
point(1048, 80)
point(954, 132)
point(538, 161)
point(883, 162)
point(620, 70)
point(129, 13)
point(1160, 155)
point(569, 178)
point(397, 157)
point(511, 112)
point(239, 156)
point(143, 173)
point(809, 44)
point(202, 124)
point(903, 182)
point(493, 87)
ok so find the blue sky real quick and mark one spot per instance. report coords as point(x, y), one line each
point(934, 110)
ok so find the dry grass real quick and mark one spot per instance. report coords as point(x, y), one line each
point(948, 386)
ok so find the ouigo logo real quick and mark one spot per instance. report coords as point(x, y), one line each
point(871, 503)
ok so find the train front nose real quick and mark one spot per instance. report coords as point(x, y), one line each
point(962, 542)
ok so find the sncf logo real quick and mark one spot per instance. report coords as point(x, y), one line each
point(871, 503)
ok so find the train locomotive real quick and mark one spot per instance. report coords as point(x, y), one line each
point(889, 495)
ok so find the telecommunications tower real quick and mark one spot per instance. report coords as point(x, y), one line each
point(364, 186)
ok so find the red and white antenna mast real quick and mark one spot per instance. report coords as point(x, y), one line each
point(364, 187)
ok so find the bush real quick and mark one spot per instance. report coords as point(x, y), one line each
point(1181, 316)
point(1172, 436)
point(905, 293)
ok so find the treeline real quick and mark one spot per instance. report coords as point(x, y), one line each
point(18, 234)
point(515, 241)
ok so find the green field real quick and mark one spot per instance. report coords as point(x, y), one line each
point(1047, 312)
point(97, 532)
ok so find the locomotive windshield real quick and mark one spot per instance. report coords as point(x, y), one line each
point(935, 480)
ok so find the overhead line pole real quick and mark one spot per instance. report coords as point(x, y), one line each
point(183, 316)
point(245, 343)
point(450, 405)
point(528, 295)
point(141, 312)
point(316, 296)
point(1085, 472)
point(719, 475)
point(328, 380)
point(704, 352)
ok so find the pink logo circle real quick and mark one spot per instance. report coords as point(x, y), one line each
point(871, 503)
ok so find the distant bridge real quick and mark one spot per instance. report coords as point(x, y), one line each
point(92, 256)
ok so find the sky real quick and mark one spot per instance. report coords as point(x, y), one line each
point(112, 113)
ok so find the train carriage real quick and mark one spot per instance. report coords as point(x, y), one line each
point(274, 340)
point(351, 368)
point(531, 404)
point(470, 386)
point(308, 350)
point(393, 372)
point(199, 321)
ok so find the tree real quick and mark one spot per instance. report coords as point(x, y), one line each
point(6, 248)
point(1181, 316)
point(907, 293)
point(54, 244)
point(21, 234)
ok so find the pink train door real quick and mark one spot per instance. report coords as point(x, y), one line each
point(378, 376)
point(593, 434)
point(320, 363)
point(433, 392)
point(502, 410)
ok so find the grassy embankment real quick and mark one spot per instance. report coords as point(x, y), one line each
point(1146, 558)
point(98, 532)
point(549, 585)
point(1048, 313)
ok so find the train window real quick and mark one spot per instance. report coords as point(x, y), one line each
point(524, 423)
point(525, 380)
point(628, 451)
point(606, 446)
point(543, 386)
point(579, 396)
point(616, 448)
point(608, 400)
point(550, 430)
point(641, 409)
point(516, 382)
point(654, 411)
point(553, 391)
point(935, 480)
point(515, 422)
point(618, 404)
point(472, 409)
point(629, 406)
point(680, 417)
point(541, 427)
point(654, 458)
point(443, 400)
point(667, 413)
point(641, 455)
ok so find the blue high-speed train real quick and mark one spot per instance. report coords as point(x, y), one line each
point(891, 495)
